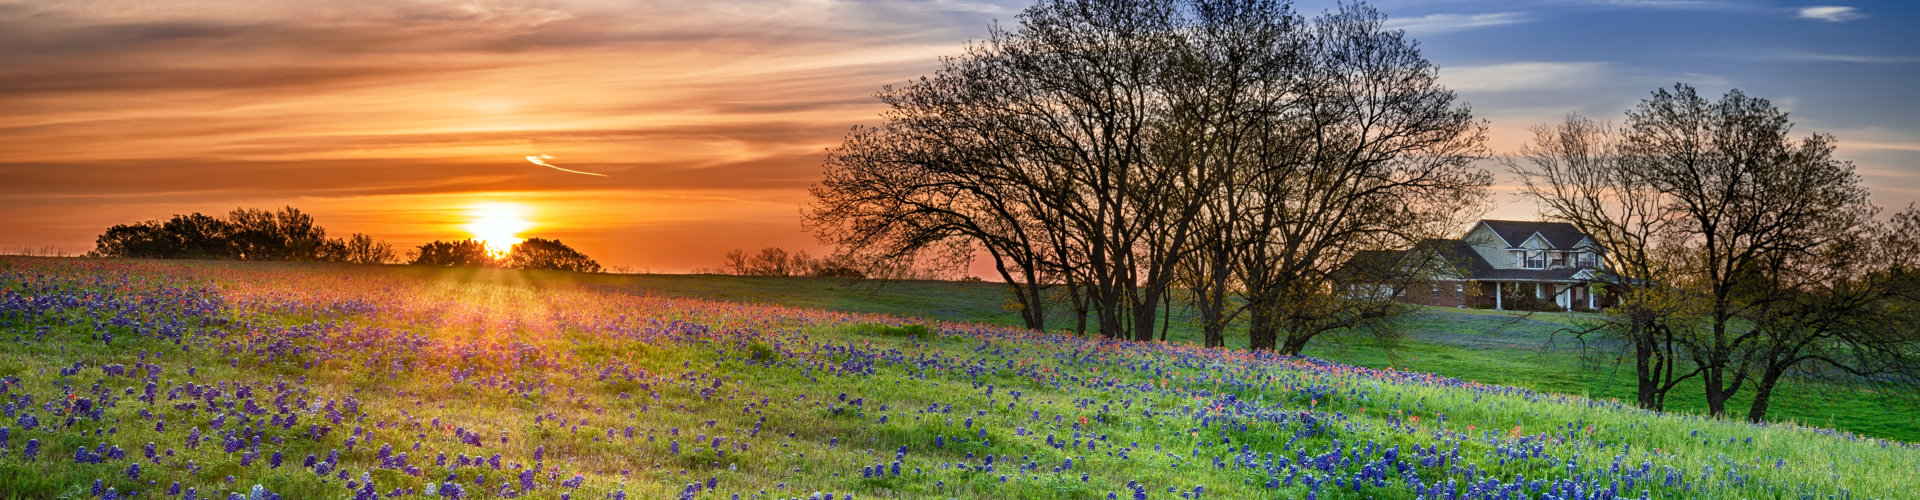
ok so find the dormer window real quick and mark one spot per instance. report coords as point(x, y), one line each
point(1536, 259)
point(1559, 259)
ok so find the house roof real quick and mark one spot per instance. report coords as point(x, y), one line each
point(1559, 235)
point(1367, 264)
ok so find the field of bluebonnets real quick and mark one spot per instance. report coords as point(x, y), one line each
point(155, 379)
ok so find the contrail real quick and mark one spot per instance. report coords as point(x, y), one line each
point(541, 160)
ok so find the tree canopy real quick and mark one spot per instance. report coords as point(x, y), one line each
point(549, 255)
point(244, 234)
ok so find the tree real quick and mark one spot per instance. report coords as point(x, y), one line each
point(1732, 247)
point(198, 236)
point(1120, 149)
point(288, 234)
point(735, 262)
point(362, 249)
point(1840, 311)
point(771, 261)
point(462, 253)
point(143, 240)
point(1373, 155)
point(1744, 197)
point(1575, 171)
point(549, 255)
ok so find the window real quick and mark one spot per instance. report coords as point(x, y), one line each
point(1536, 259)
point(1559, 259)
point(1588, 259)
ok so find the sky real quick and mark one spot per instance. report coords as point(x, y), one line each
point(706, 121)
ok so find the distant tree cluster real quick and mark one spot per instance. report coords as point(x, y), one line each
point(774, 261)
point(244, 234)
point(535, 254)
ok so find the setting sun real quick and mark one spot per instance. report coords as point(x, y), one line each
point(498, 224)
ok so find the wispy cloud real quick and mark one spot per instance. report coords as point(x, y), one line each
point(1521, 76)
point(1840, 58)
point(1831, 13)
point(1447, 23)
point(1666, 4)
point(541, 160)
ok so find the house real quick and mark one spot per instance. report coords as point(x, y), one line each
point(1497, 264)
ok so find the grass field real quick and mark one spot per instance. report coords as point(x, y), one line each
point(152, 379)
point(1531, 350)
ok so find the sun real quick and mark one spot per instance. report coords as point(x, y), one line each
point(498, 224)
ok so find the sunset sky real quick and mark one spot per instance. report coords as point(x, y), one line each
point(708, 119)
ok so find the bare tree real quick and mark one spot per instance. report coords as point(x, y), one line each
point(1744, 198)
point(1375, 155)
point(362, 249)
point(1121, 149)
point(1574, 170)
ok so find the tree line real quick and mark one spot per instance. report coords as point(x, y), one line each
point(776, 261)
point(1278, 175)
point(1117, 156)
point(289, 234)
point(534, 253)
point(244, 234)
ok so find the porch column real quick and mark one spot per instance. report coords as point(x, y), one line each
point(1496, 297)
point(1564, 296)
point(1590, 297)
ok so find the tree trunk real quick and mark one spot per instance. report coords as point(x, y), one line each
point(1644, 370)
point(1261, 334)
point(1143, 313)
point(1762, 394)
point(1716, 394)
point(1295, 343)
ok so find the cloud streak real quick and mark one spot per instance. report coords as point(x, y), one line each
point(541, 160)
point(1832, 13)
point(1448, 23)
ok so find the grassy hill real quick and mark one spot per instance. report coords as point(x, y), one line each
point(129, 378)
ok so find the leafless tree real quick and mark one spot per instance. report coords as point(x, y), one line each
point(1574, 170)
point(1118, 150)
point(1375, 154)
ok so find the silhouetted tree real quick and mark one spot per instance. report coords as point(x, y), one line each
point(461, 253)
point(549, 255)
point(288, 234)
point(143, 240)
point(1124, 148)
point(362, 249)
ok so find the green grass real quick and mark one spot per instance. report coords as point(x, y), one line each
point(1531, 350)
point(569, 363)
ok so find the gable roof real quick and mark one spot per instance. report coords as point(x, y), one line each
point(1560, 235)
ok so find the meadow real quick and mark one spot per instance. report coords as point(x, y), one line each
point(174, 379)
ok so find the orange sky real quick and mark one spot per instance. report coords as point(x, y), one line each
point(391, 118)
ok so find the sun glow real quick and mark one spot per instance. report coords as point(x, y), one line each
point(498, 224)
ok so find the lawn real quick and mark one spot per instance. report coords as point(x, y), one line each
point(155, 379)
